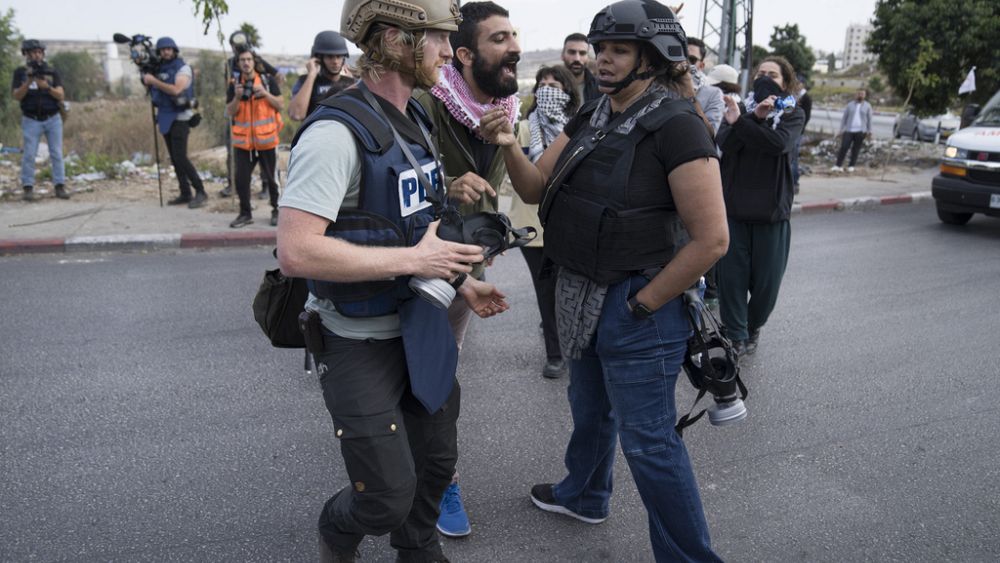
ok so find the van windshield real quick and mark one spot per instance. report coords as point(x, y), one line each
point(990, 116)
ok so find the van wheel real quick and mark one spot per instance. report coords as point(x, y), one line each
point(952, 218)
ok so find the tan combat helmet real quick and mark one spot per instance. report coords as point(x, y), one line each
point(410, 15)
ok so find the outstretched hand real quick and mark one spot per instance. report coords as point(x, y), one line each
point(483, 298)
point(732, 110)
point(469, 188)
point(495, 128)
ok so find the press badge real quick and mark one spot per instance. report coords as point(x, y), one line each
point(412, 195)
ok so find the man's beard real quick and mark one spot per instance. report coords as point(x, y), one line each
point(576, 68)
point(491, 80)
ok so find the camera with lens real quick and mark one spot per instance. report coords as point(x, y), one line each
point(491, 231)
point(712, 366)
point(247, 90)
point(39, 69)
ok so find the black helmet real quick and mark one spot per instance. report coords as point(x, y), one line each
point(641, 20)
point(329, 43)
point(30, 44)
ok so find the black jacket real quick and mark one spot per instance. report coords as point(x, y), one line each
point(756, 166)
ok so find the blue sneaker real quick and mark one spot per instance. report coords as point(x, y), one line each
point(453, 522)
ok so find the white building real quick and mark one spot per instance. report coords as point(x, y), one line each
point(855, 51)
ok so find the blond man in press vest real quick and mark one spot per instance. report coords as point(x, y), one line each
point(254, 103)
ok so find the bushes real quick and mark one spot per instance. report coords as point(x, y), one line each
point(82, 77)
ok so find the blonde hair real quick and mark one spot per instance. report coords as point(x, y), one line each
point(386, 55)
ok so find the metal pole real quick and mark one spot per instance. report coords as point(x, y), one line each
point(156, 144)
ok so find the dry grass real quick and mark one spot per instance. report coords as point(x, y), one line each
point(119, 128)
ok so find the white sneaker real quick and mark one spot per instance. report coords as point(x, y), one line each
point(836, 169)
point(850, 169)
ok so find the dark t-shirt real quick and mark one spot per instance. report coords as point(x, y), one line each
point(482, 153)
point(268, 82)
point(681, 139)
point(323, 88)
point(37, 103)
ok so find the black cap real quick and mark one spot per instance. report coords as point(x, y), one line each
point(641, 20)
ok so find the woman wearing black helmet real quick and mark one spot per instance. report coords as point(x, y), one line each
point(631, 200)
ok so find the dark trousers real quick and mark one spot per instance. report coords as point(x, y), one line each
point(754, 265)
point(399, 458)
point(545, 293)
point(177, 146)
point(245, 162)
point(854, 141)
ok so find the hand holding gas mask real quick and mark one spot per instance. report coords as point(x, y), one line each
point(490, 231)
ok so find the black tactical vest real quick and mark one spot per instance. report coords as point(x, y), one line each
point(602, 223)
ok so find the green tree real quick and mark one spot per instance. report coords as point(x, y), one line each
point(10, 58)
point(758, 53)
point(253, 35)
point(82, 77)
point(787, 42)
point(876, 85)
point(831, 62)
point(212, 11)
point(210, 89)
point(926, 48)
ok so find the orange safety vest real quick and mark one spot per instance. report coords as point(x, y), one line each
point(257, 124)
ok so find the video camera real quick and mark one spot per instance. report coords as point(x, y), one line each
point(141, 52)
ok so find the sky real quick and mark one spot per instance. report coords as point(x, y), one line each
point(288, 26)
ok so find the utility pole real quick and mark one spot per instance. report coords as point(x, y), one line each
point(724, 25)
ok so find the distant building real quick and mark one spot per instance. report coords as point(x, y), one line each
point(855, 51)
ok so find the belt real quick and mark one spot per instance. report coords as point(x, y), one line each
point(39, 117)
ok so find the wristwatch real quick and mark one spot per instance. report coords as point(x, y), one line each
point(457, 282)
point(639, 310)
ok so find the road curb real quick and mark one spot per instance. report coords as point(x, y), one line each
point(131, 243)
point(858, 203)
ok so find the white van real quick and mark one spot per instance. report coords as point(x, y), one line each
point(969, 181)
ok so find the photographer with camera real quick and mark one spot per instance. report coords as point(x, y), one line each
point(253, 101)
point(358, 219)
point(38, 88)
point(323, 76)
point(172, 90)
point(240, 42)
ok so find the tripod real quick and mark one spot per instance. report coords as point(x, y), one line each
point(156, 145)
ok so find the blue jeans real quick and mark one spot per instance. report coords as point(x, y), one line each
point(32, 134)
point(623, 388)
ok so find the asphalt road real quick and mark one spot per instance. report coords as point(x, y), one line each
point(145, 418)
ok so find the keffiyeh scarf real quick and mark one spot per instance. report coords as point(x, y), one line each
point(548, 119)
point(452, 90)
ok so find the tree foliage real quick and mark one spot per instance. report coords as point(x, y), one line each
point(211, 11)
point(758, 53)
point(83, 78)
point(787, 42)
point(253, 35)
point(10, 58)
point(926, 48)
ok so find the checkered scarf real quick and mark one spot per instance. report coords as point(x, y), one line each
point(452, 90)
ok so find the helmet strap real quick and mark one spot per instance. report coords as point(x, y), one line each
point(632, 77)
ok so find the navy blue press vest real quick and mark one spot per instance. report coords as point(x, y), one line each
point(393, 209)
point(166, 109)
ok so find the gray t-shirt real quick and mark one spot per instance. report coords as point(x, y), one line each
point(187, 114)
point(324, 175)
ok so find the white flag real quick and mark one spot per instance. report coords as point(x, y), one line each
point(969, 85)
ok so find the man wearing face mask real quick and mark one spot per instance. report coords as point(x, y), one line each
point(481, 76)
point(709, 97)
point(323, 76)
point(757, 182)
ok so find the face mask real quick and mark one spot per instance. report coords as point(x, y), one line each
point(551, 100)
point(763, 87)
